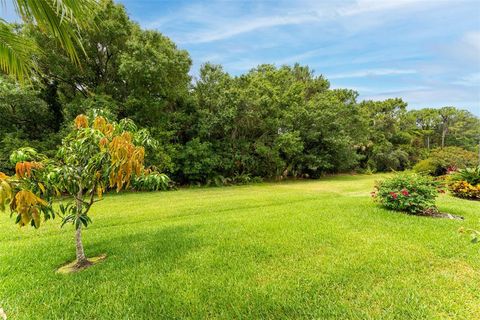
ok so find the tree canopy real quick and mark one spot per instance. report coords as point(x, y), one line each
point(272, 122)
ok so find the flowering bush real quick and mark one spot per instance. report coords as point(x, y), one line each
point(411, 193)
point(466, 183)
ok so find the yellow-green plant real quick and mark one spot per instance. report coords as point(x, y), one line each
point(95, 156)
point(466, 183)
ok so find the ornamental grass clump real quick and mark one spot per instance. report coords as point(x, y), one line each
point(410, 193)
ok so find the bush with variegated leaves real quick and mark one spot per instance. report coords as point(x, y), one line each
point(466, 183)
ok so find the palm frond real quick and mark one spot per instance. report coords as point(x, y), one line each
point(16, 52)
point(61, 18)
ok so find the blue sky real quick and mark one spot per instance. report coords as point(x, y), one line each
point(427, 51)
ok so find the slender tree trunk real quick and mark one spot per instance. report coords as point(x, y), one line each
point(479, 152)
point(444, 133)
point(81, 259)
point(428, 142)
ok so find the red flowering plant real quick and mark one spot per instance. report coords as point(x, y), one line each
point(452, 169)
point(411, 193)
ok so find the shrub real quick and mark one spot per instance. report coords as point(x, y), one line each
point(388, 159)
point(426, 166)
point(153, 181)
point(411, 193)
point(465, 190)
point(219, 180)
point(198, 161)
point(244, 178)
point(443, 160)
point(466, 183)
point(471, 175)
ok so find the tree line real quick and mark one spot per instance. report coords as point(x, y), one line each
point(271, 122)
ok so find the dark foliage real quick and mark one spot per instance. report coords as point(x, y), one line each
point(272, 122)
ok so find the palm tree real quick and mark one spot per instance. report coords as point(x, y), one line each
point(61, 18)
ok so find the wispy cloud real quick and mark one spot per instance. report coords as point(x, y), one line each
point(469, 47)
point(398, 92)
point(471, 80)
point(426, 51)
point(434, 97)
point(211, 24)
point(472, 39)
point(371, 73)
point(252, 25)
point(368, 6)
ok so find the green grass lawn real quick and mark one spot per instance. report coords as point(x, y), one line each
point(306, 249)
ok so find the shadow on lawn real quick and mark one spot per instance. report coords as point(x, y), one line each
point(165, 244)
point(144, 245)
point(133, 260)
point(173, 273)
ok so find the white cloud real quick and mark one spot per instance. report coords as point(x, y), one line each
point(472, 79)
point(465, 50)
point(368, 6)
point(371, 73)
point(366, 44)
point(214, 21)
point(472, 39)
point(251, 25)
point(421, 97)
point(469, 47)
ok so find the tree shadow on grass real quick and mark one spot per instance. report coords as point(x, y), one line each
point(131, 259)
point(148, 245)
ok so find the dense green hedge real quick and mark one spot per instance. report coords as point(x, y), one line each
point(272, 122)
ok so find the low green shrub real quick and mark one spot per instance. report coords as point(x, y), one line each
point(219, 180)
point(444, 160)
point(245, 179)
point(471, 175)
point(153, 181)
point(411, 193)
point(426, 166)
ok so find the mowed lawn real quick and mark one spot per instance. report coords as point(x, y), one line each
point(302, 249)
